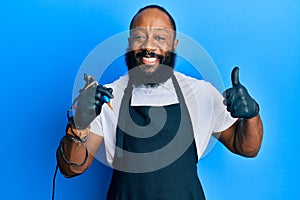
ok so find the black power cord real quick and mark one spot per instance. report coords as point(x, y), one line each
point(53, 181)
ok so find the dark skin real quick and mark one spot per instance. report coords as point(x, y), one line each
point(153, 32)
point(244, 137)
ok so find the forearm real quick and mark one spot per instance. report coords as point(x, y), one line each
point(74, 156)
point(248, 136)
point(70, 151)
point(77, 149)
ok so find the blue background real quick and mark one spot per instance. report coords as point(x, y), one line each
point(43, 43)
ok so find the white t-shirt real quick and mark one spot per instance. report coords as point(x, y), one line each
point(204, 103)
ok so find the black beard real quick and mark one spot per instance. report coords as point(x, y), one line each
point(163, 72)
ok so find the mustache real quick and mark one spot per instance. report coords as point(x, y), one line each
point(145, 53)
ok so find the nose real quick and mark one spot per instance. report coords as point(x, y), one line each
point(149, 45)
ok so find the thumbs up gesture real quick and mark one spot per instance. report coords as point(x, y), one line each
point(237, 99)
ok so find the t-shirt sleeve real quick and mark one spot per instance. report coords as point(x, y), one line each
point(96, 126)
point(222, 119)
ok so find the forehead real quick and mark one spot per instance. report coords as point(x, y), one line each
point(152, 17)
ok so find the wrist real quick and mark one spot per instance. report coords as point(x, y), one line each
point(78, 135)
point(255, 111)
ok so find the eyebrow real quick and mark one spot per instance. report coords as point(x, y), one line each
point(142, 29)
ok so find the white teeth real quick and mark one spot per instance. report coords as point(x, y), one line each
point(149, 59)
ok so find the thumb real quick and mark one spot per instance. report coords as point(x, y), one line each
point(235, 76)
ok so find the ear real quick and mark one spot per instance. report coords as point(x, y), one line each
point(129, 45)
point(175, 43)
point(129, 41)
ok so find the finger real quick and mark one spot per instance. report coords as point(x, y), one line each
point(110, 90)
point(238, 109)
point(230, 108)
point(235, 76)
point(105, 91)
point(98, 107)
point(227, 102)
point(227, 92)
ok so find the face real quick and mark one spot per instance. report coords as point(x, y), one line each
point(151, 39)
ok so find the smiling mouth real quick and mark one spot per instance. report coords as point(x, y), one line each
point(150, 60)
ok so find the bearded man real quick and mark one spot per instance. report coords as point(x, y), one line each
point(161, 119)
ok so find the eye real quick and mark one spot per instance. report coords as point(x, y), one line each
point(160, 38)
point(138, 37)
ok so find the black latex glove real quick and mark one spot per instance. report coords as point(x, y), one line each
point(237, 99)
point(89, 105)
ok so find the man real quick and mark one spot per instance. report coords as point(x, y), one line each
point(161, 120)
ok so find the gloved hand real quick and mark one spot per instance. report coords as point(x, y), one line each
point(89, 105)
point(237, 99)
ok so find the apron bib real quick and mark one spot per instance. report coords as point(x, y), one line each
point(176, 181)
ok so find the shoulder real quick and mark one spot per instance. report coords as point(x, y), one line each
point(191, 82)
point(118, 85)
point(121, 82)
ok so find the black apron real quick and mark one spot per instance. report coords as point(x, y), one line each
point(175, 181)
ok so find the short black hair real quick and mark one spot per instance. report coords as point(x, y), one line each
point(159, 8)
